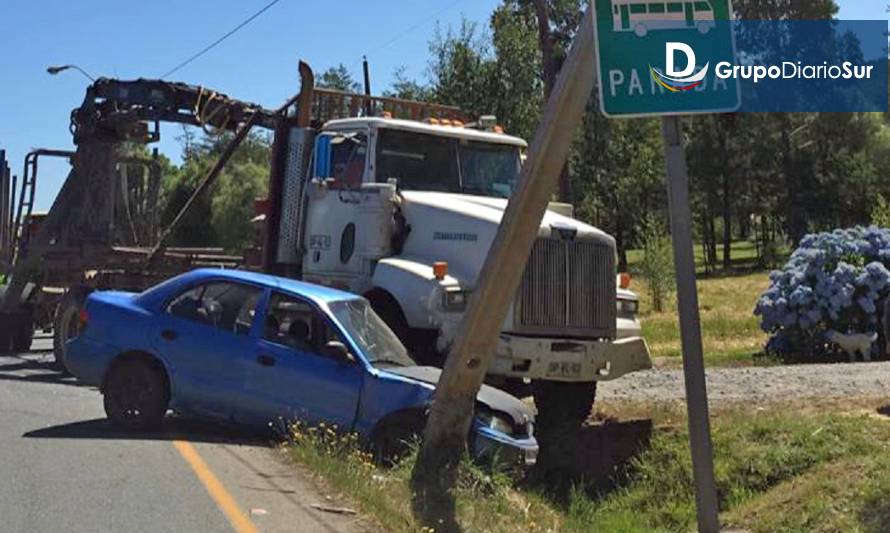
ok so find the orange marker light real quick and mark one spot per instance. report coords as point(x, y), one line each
point(440, 270)
point(624, 280)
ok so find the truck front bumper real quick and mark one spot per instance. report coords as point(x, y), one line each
point(569, 360)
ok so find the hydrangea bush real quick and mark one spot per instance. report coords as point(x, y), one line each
point(833, 281)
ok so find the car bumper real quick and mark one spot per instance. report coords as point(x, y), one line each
point(489, 443)
point(570, 360)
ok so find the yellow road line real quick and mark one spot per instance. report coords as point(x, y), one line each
point(226, 503)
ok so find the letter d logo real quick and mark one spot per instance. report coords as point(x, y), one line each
point(671, 50)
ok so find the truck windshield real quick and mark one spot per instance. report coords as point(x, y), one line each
point(377, 342)
point(423, 162)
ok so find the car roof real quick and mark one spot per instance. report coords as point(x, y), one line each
point(314, 292)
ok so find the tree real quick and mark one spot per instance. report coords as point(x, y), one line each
point(223, 217)
point(338, 78)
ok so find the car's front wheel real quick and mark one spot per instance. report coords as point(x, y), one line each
point(136, 396)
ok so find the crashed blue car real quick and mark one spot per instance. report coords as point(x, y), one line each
point(254, 350)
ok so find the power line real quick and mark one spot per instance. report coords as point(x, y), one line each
point(221, 39)
point(415, 27)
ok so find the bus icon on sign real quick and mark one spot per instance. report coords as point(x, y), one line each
point(641, 17)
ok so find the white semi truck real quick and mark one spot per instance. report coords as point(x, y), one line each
point(405, 211)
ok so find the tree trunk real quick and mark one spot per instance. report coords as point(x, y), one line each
point(727, 196)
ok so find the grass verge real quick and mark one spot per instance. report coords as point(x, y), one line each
point(730, 332)
point(809, 470)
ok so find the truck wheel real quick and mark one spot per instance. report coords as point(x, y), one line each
point(563, 402)
point(388, 309)
point(135, 396)
point(23, 336)
point(67, 324)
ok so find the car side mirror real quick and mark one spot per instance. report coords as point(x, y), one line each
point(338, 351)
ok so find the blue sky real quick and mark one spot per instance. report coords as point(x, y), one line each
point(145, 39)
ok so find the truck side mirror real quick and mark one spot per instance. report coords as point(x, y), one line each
point(338, 351)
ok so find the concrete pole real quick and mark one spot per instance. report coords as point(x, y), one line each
point(453, 404)
point(690, 328)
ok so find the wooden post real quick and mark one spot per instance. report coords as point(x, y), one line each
point(473, 349)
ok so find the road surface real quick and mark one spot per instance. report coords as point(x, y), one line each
point(65, 469)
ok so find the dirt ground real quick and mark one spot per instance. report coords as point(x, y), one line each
point(756, 384)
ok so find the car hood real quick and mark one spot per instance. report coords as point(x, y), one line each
point(494, 399)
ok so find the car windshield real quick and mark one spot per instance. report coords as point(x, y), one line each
point(423, 162)
point(377, 342)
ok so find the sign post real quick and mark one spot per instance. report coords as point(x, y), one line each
point(657, 59)
point(690, 327)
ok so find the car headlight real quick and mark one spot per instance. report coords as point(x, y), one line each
point(495, 422)
point(628, 307)
point(455, 299)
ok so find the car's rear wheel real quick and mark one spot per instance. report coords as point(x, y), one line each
point(66, 325)
point(136, 396)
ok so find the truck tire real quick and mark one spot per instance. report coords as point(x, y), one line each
point(65, 325)
point(562, 410)
point(23, 336)
point(563, 402)
point(135, 395)
point(389, 310)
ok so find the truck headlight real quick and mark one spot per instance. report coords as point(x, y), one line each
point(628, 307)
point(495, 422)
point(455, 299)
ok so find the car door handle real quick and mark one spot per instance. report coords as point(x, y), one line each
point(266, 360)
point(169, 335)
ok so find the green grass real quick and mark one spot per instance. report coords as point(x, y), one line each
point(730, 332)
point(798, 470)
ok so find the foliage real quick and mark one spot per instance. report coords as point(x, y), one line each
point(833, 281)
point(880, 215)
point(657, 266)
point(339, 78)
point(223, 217)
point(775, 471)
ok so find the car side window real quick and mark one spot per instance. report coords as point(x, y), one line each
point(296, 324)
point(223, 305)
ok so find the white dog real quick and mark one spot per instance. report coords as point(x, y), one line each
point(854, 343)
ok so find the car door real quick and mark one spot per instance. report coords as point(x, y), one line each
point(207, 336)
point(293, 378)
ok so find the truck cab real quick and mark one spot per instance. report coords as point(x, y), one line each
point(404, 212)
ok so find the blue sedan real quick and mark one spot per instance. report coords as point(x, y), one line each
point(256, 350)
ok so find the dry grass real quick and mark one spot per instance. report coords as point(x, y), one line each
point(730, 331)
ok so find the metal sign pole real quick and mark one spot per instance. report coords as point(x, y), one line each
point(690, 328)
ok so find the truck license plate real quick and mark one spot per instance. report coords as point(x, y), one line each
point(564, 370)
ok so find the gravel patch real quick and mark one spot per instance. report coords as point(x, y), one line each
point(758, 384)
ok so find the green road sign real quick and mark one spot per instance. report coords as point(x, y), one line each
point(657, 57)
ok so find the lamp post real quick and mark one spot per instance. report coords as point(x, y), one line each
point(61, 68)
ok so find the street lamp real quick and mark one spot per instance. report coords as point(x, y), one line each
point(56, 69)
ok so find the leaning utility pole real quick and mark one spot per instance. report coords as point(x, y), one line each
point(454, 401)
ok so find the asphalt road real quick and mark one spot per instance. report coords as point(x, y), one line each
point(64, 468)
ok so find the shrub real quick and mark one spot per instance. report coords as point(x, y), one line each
point(657, 267)
point(833, 281)
point(880, 216)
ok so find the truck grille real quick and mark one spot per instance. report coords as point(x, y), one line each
point(568, 289)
